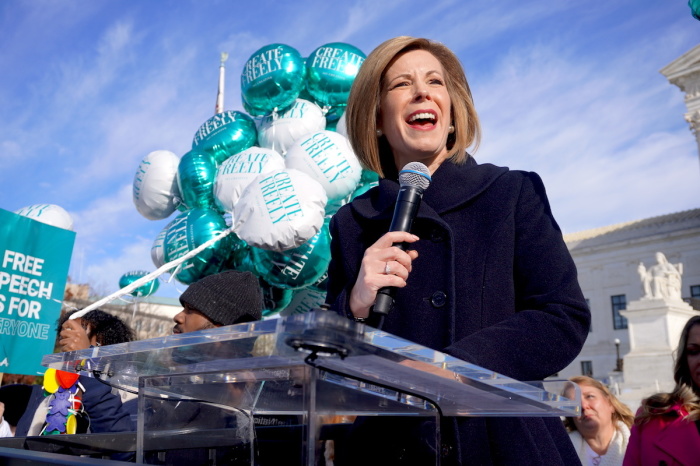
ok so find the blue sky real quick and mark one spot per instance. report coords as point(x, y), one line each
point(569, 89)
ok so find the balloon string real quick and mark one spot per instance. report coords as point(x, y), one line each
point(274, 129)
point(147, 278)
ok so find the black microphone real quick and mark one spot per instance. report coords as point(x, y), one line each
point(414, 179)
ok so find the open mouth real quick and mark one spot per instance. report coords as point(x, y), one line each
point(423, 119)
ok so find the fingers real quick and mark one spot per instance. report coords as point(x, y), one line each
point(383, 258)
point(392, 237)
point(382, 265)
point(73, 336)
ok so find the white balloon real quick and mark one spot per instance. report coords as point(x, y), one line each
point(48, 213)
point(341, 127)
point(158, 248)
point(328, 158)
point(279, 131)
point(239, 170)
point(334, 206)
point(155, 185)
point(280, 210)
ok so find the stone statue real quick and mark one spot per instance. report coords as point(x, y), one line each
point(662, 280)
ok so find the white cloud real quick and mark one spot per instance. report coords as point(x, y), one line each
point(598, 139)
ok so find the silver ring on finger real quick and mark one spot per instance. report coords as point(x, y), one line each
point(387, 269)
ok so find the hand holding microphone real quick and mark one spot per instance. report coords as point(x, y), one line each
point(386, 264)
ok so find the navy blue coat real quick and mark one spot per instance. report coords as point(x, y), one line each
point(104, 409)
point(494, 285)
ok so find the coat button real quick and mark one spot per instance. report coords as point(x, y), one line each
point(437, 236)
point(445, 450)
point(438, 299)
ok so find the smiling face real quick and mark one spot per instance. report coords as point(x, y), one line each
point(415, 109)
point(693, 354)
point(597, 411)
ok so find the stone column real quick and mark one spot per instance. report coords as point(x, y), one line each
point(654, 323)
point(654, 327)
point(684, 72)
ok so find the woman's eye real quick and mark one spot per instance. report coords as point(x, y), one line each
point(436, 81)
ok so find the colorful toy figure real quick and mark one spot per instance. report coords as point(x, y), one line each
point(63, 406)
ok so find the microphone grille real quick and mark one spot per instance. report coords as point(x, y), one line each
point(415, 174)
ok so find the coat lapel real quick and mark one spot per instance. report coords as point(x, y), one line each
point(451, 187)
point(679, 440)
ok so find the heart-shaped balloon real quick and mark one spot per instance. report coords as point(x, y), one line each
point(66, 379)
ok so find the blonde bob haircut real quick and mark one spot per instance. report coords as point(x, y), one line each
point(621, 412)
point(363, 108)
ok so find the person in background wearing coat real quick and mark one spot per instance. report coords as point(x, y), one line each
point(104, 409)
point(600, 435)
point(666, 430)
point(487, 277)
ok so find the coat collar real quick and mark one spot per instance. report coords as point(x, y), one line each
point(452, 186)
point(679, 440)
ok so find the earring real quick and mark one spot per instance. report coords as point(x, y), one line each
point(451, 129)
point(379, 133)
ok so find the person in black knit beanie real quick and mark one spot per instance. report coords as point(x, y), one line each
point(225, 298)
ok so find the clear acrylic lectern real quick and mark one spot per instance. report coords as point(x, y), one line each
point(299, 390)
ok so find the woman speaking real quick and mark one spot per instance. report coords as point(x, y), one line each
point(486, 275)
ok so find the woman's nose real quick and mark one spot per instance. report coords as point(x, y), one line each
point(422, 94)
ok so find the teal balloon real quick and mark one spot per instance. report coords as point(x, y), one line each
point(694, 8)
point(225, 134)
point(304, 300)
point(298, 267)
point(239, 253)
point(333, 115)
point(147, 289)
point(330, 71)
point(363, 188)
point(247, 263)
point(304, 94)
point(369, 176)
point(272, 79)
point(195, 178)
point(274, 299)
point(187, 232)
point(320, 285)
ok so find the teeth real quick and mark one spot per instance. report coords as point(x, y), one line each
point(422, 116)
